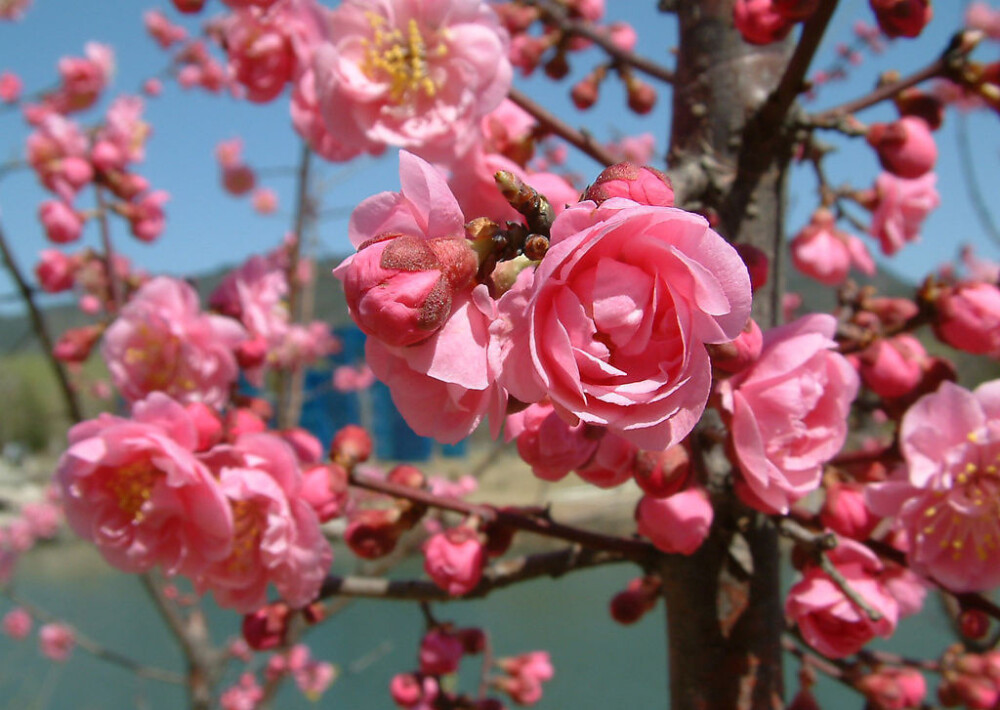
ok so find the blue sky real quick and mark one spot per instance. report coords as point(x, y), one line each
point(207, 229)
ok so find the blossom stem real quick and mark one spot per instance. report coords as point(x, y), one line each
point(41, 331)
point(550, 122)
point(556, 15)
point(500, 574)
point(540, 525)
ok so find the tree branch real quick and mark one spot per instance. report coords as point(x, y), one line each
point(550, 122)
point(96, 649)
point(503, 573)
point(633, 549)
point(41, 331)
point(557, 16)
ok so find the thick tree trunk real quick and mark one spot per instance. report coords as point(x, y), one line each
point(724, 610)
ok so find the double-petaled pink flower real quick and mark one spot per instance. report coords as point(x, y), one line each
point(829, 621)
point(162, 342)
point(948, 498)
point(276, 534)
point(612, 326)
point(414, 75)
point(135, 488)
point(901, 206)
point(788, 412)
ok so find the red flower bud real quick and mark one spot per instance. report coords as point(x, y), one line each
point(905, 148)
point(645, 185)
point(351, 445)
point(373, 533)
point(902, 18)
point(267, 627)
point(662, 473)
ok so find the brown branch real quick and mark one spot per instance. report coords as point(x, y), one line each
point(954, 56)
point(96, 649)
point(503, 573)
point(556, 15)
point(633, 549)
point(820, 544)
point(793, 80)
point(41, 331)
point(109, 255)
point(552, 123)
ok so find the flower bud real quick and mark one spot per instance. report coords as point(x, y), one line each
point(968, 318)
point(351, 445)
point(440, 652)
point(905, 147)
point(611, 464)
point(757, 264)
point(737, 355)
point(759, 22)
point(645, 185)
point(974, 624)
point(902, 18)
point(76, 343)
point(267, 627)
point(207, 424)
point(844, 511)
point(62, 223)
point(547, 443)
point(373, 533)
point(399, 288)
point(679, 523)
point(893, 367)
point(641, 96)
point(252, 353)
point(238, 179)
point(585, 92)
point(660, 474)
point(55, 271)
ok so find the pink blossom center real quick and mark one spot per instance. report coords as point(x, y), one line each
point(401, 61)
point(247, 530)
point(132, 486)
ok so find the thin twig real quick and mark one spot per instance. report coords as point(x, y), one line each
point(109, 254)
point(503, 573)
point(41, 330)
point(556, 15)
point(96, 649)
point(550, 122)
point(633, 549)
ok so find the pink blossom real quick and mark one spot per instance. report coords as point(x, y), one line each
point(83, 78)
point(125, 130)
point(13, 9)
point(17, 623)
point(635, 149)
point(525, 675)
point(265, 200)
point(57, 151)
point(351, 379)
point(55, 271)
point(370, 90)
point(741, 352)
point(891, 688)
point(906, 147)
point(677, 523)
point(163, 30)
point(135, 489)
point(789, 412)
point(245, 695)
point(277, 538)
point(56, 641)
point(308, 123)
point(947, 498)
point(825, 253)
point(162, 342)
point(146, 217)
point(454, 560)
point(324, 488)
point(10, 87)
point(644, 185)
point(408, 691)
point(759, 22)
point(901, 207)
point(42, 519)
point(62, 223)
point(623, 35)
point(980, 16)
point(254, 294)
point(507, 130)
point(450, 373)
point(75, 344)
point(979, 269)
point(152, 87)
point(547, 443)
point(613, 326)
point(261, 56)
point(829, 621)
point(969, 318)
point(440, 652)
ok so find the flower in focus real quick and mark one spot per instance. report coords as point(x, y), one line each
point(830, 622)
point(612, 327)
point(788, 412)
point(414, 75)
point(948, 498)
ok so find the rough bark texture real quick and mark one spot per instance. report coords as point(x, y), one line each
point(724, 609)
